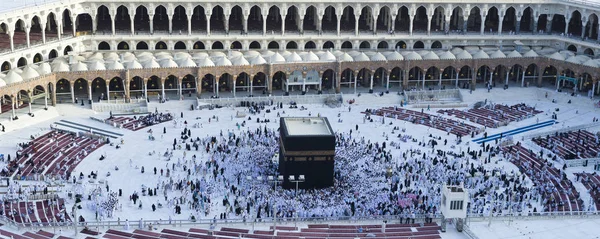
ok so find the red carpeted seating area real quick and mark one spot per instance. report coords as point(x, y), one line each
point(30, 235)
point(8, 107)
point(313, 231)
point(441, 123)
point(568, 145)
point(494, 116)
point(557, 190)
point(34, 213)
point(591, 181)
point(128, 123)
point(56, 153)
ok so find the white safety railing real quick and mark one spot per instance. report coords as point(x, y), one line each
point(300, 99)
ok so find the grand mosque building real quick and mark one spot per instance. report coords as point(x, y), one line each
point(60, 51)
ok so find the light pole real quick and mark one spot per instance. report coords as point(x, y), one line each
point(300, 179)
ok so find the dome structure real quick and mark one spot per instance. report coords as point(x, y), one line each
point(151, 64)
point(481, 55)
point(186, 62)
point(12, 77)
point(412, 56)
point(258, 60)
point(498, 54)
point(205, 62)
point(556, 56)
point(378, 57)
point(464, 55)
point(114, 65)
point(394, 56)
point(222, 61)
point(96, 66)
point(592, 63)
point(309, 57)
point(60, 66)
point(79, 67)
point(530, 53)
point(447, 55)
point(44, 68)
point(345, 57)
point(361, 57)
point(294, 57)
point(277, 58)
point(240, 61)
point(134, 65)
point(29, 73)
point(431, 56)
point(168, 63)
point(326, 56)
point(514, 54)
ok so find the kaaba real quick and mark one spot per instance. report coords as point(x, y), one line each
point(306, 147)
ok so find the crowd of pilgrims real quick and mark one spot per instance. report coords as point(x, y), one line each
point(370, 180)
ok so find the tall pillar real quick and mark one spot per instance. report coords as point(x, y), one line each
point(549, 23)
point(456, 84)
point(170, 18)
point(506, 81)
point(582, 29)
point(371, 84)
point(162, 89)
point(374, 24)
point(12, 104)
point(387, 81)
point(339, 19)
point(234, 83)
point(264, 27)
point(523, 79)
point(245, 23)
point(429, 25)
point(89, 91)
point(29, 101)
point(46, 100)
point(43, 33)
point(356, 26)
point(482, 28)
point(108, 91)
point(112, 24)
point(151, 19)
point(500, 25)
point(208, 24)
point(146, 88)
point(27, 30)
point(189, 24)
point(59, 29)
point(319, 23)
point(518, 27)
point(73, 92)
point(179, 90)
point(11, 34)
point(355, 81)
point(534, 27)
point(283, 24)
point(567, 25)
point(132, 20)
point(94, 24)
point(249, 77)
point(74, 24)
point(410, 26)
point(440, 80)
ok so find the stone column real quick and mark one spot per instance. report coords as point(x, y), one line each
point(371, 84)
point(89, 91)
point(410, 26)
point(567, 20)
point(283, 24)
point(356, 25)
point(73, 92)
point(43, 26)
point(74, 22)
point(482, 28)
point(264, 27)
point(549, 23)
point(170, 18)
point(151, 20)
point(112, 24)
point(189, 24)
point(27, 30)
point(582, 29)
point(339, 19)
point(132, 20)
point(429, 24)
point(387, 82)
point(208, 24)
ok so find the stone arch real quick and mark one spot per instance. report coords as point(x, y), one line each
point(457, 20)
point(188, 85)
point(38, 58)
point(225, 81)
point(436, 45)
point(274, 20)
point(67, 23)
point(180, 20)
point(208, 83)
point(259, 82)
point(217, 19)
point(161, 45)
point(136, 87)
point(382, 45)
point(255, 19)
point(328, 80)
point(572, 48)
point(236, 45)
point(509, 22)
point(365, 20)
point(328, 45)
point(402, 19)
point(365, 45)
point(278, 80)
point(347, 45)
point(273, 45)
point(199, 45)
point(420, 20)
point(364, 77)
point(419, 45)
point(526, 24)
point(329, 22)
point(589, 52)
point(103, 46)
point(483, 74)
point(122, 19)
point(217, 45)
point(171, 83)
point(160, 21)
point(142, 45)
point(347, 78)
point(291, 45)
point(53, 54)
point(474, 20)
point(35, 27)
point(103, 19)
point(415, 77)
point(141, 20)
point(558, 23)
point(254, 45)
point(22, 62)
point(116, 87)
point(236, 19)
point(310, 45)
point(310, 19)
point(6, 66)
point(400, 45)
point(153, 85)
point(84, 23)
point(437, 19)
point(198, 19)
point(396, 75)
point(51, 26)
point(180, 46)
point(591, 27)
point(291, 24)
point(67, 50)
point(63, 86)
point(382, 19)
point(123, 46)
point(348, 19)
point(492, 20)
point(575, 24)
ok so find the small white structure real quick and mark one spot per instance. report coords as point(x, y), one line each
point(454, 205)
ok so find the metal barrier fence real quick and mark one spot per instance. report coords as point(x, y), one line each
point(212, 223)
point(561, 130)
point(300, 99)
point(433, 96)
